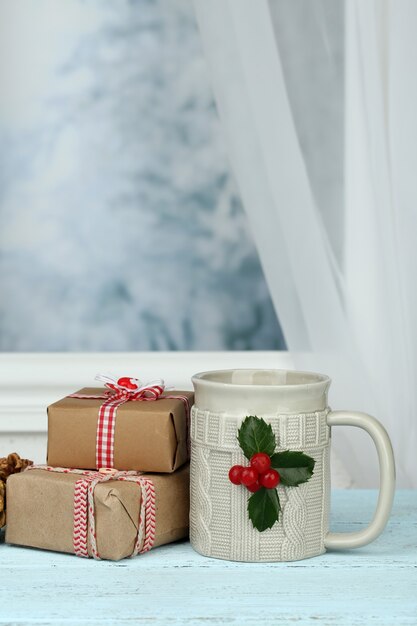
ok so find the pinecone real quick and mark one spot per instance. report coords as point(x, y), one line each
point(2, 503)
point(11, 464)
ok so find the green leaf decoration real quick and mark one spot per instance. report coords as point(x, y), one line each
point(264, 508)
point(255, 435)
point(294, 468)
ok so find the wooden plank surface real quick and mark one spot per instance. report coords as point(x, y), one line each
point(174, 585)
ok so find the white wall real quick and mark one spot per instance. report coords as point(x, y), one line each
point(29, 382)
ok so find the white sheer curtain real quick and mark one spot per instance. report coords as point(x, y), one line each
point(318, 101)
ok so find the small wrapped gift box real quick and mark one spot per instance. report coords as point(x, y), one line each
point(100, 514)
point(143, 430)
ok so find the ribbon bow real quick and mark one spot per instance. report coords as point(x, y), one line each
point(133, 387)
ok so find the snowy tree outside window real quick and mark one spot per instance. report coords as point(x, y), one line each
point(121, 226)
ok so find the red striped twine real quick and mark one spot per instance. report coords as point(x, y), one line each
point(84, 530)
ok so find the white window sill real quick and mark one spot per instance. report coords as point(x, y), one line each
point(31, 381)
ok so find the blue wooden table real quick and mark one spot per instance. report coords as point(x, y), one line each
point(174, 585)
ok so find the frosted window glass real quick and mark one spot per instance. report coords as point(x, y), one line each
point(120, 223)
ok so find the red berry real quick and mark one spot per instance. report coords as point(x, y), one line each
point(127, 383)
point(270, 479)
point(249, 476)
point(261, 462)
point(235, 474)
point(254, 487)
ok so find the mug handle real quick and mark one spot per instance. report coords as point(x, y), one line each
point(386, 482)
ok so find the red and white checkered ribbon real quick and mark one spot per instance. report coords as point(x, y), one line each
point(117, 395)
point(84, 512)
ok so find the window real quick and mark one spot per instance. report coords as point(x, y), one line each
point(120, 224)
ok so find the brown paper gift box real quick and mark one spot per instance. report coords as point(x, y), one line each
point(149, 436)
point(40, 511)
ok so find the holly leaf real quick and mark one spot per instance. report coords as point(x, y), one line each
point(255, 435)
point(264, 508)
point(294, 468)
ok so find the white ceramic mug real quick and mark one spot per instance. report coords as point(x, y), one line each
point(295, 404)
